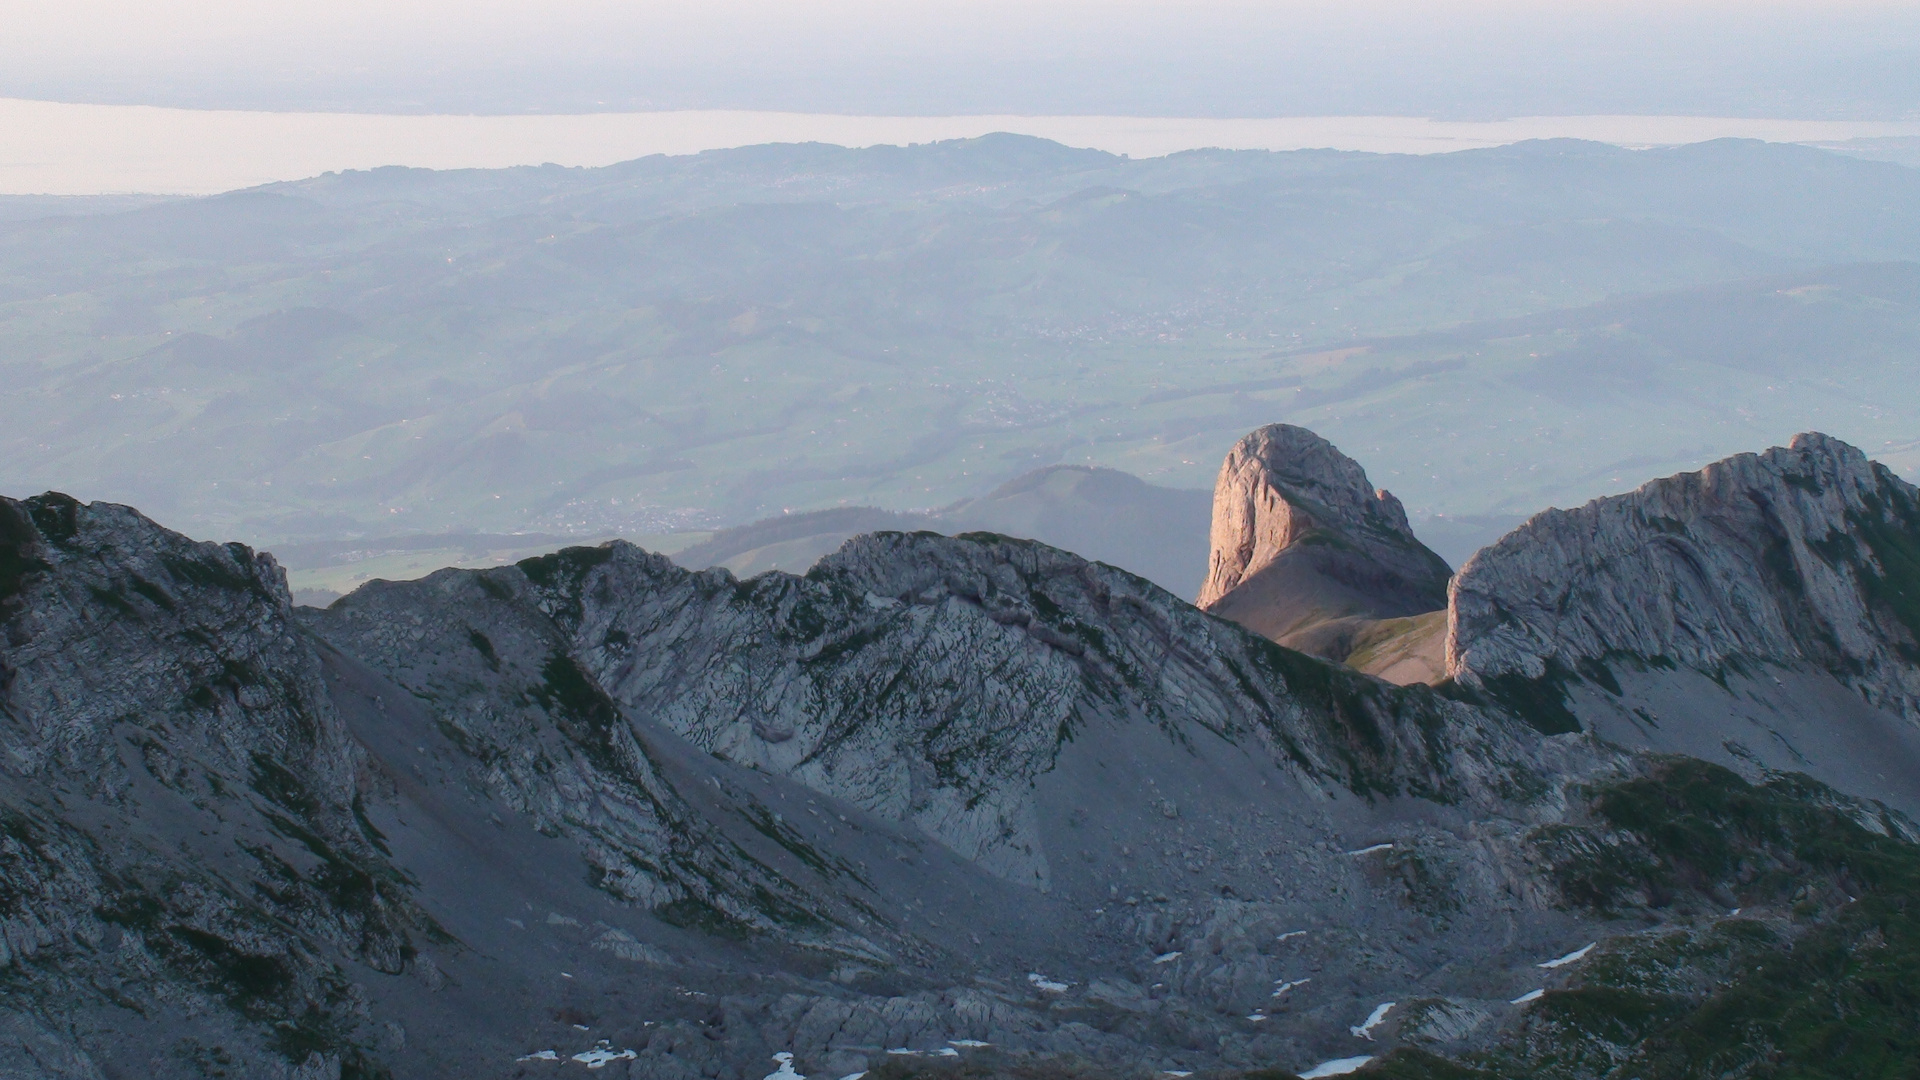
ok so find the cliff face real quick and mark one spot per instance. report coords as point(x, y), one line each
point(1305, 550)
point(1804, 555)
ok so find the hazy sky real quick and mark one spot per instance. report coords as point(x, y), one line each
point(1835, 59)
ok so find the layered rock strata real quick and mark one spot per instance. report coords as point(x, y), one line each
point(1807, 555)
point(929, 680)
point(938, 792)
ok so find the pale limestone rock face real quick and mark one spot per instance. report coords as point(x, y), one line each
point(1804, 555)
point(1305, 551)
point(1280, 483)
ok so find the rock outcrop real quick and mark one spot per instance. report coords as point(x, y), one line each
point(1804, 555)
point(1306, 551)
point(179, 842)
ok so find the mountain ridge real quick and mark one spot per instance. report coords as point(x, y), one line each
point(939, 792)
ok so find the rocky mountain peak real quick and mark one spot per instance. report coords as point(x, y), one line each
point(1305, 550)
point(1806, 555)
point(1277, 485)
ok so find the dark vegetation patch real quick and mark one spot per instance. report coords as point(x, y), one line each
point(367, 829)
point(1541, 702)
point(357, 890)
point(56, 516)
point(1345, 703)
point(484, 646)
point(693, 913)
point(152, 592)
point(253, 983)
point(113, 599)
point(580, 709)
point(493, 587)
point(778, 831)
point(211, 572)
point(1824, 984)
point(1896, 547)
point(1427, 886)
point(562, 575)
point(1598, 673)
point(843, 645)
point(18, 564)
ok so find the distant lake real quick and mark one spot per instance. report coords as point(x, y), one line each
point(62, 149)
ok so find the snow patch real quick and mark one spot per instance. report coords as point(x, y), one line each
point(541, 1055)
point(1166, 958)
point(602, 1055)
point(1369, 851)
point(968, 1043)
point(1043, 983)
point(903, 1051)
point(785, 1071)
point(1291, 934)
point(1256, 1017)
point(1577, 954)
point(1365, 1031)
point(1286, 986)
point(1336, 1067)
point(1531, 995)
point(946, 1051)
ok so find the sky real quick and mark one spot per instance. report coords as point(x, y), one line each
point(1486, 60)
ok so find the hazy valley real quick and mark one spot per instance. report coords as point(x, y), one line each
point(405, 353)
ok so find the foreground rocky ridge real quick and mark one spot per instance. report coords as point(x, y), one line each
point(710, 819)
point(596, 809)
